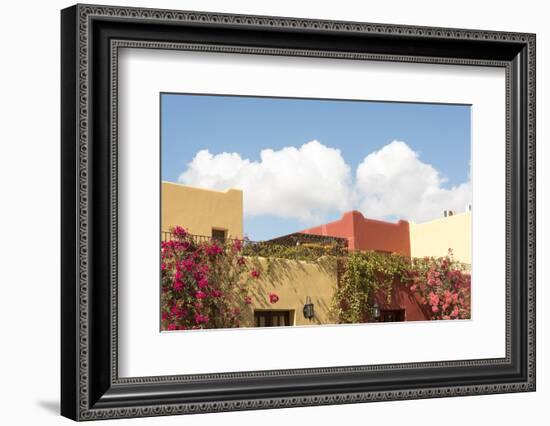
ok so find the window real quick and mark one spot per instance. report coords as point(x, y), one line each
point(218, 235)
point(273, 318)
point(392, 315)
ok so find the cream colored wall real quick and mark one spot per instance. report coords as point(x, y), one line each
point(199, 210)
point(293, 281)
point(434, 238)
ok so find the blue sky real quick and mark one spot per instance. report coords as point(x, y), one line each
point(438, 134)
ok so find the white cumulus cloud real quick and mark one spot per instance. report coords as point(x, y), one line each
point(395, 182)
point(303, 183)
point(308, 182)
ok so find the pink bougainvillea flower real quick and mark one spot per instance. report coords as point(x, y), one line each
point(200, 294)
point(179, 231)
point(178, 285)
point(164, 316)
point(455, 312)
point(217, 293)
point(203, 282)
point(167, 245)
point(248, 300)
point(201, 319)
point(241, 261)
point(413, 287)
point(446, 317)
point(163, 266)
point(236, 310)
point(255, 273)
point(171, 326)
point(273, 298)
point(186, 245)
point(213, 250)
point(187, 264)
point(237, 245)
point(435, 309)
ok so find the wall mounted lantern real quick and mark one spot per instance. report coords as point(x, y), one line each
point(376, 312)
point(309, 312)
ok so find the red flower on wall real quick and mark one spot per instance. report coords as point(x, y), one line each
point(179, 231)
point(273, 298)
point(216, 293)
point(213, 250)
point(200, 294)
point(201, 319)
point(177, 286)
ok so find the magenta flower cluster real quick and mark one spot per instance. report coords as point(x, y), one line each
point(201, 283)
point(443, 287)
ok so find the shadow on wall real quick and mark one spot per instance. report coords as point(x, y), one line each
point(293, 281)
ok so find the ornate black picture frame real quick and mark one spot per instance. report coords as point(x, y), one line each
point(91, 37)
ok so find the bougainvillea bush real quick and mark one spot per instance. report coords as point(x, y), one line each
point(442, 286)
point(204, 284)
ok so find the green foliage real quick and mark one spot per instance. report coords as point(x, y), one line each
point(365, 274)
point(305, 252)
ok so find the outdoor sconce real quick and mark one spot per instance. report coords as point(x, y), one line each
point(376, 312)
point(308, 309)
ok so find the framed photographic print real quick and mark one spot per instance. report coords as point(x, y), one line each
point(263, 212)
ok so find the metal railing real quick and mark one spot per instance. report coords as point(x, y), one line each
point(266, 248)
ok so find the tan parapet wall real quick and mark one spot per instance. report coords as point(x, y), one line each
point(292, 281)
point(434, 238)
point(200, 210)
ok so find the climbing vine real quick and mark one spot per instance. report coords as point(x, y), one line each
point(365, 275)
point(305, 252)
point(441, 286)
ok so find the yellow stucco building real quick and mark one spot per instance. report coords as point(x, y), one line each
point(295, 281)
point(202, 211)
point(434, 238)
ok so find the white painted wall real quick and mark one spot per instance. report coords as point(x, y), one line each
point(29, 225)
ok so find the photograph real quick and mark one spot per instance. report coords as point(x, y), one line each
point(281, 212)
point(265, 209)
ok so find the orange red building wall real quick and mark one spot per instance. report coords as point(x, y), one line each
point(367, 234)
